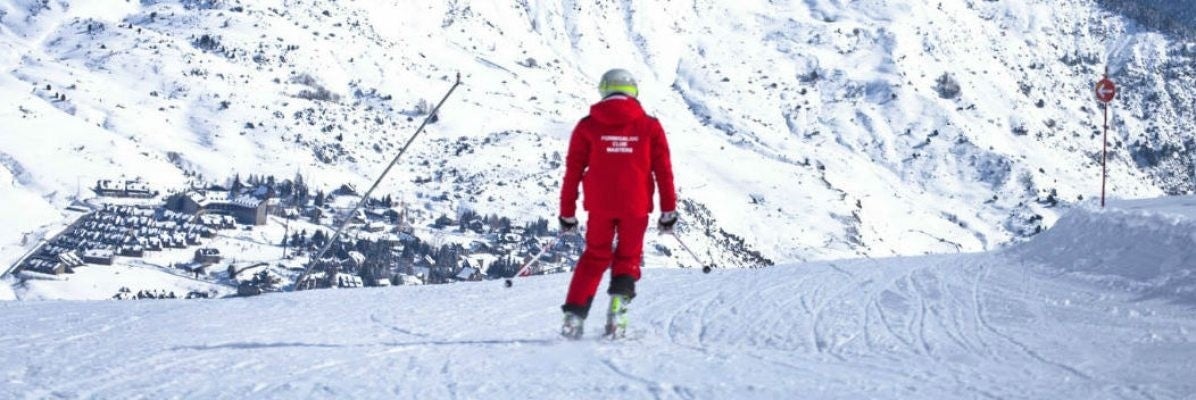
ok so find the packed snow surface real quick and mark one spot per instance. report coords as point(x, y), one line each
point(1035, 321)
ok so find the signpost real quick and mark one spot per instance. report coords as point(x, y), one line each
point(1106, 90)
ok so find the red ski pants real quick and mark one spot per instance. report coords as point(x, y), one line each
point(601, 253)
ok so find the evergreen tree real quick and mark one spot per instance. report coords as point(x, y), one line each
point(320, 198)
point(300, 190)
point(286, 190)
point(319, 238)
point(237, 186)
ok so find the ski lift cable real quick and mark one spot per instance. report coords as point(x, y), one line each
point(345, 219)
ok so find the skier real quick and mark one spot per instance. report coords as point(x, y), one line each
point(619, 155)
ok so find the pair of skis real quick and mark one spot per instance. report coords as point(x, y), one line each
point(616, 317)
point(574, 325)
point(616, 321)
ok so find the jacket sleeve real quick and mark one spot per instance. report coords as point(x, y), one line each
point(662, 168)
point(576, 162)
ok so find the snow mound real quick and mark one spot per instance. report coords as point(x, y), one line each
point(1145, 246)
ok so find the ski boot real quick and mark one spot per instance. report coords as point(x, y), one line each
point(616, 317)
point(573, 327)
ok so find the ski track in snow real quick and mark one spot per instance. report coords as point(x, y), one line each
point(1004, 325)
point(938, 326)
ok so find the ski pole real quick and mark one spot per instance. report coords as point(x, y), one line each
point(528, 264)
point(347, 217)
point(705, 268)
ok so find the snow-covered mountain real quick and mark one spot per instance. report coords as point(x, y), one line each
point(806, 129)
point(1040, 320)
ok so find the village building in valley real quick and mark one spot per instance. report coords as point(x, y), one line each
point(247, 209)
point(381, 246)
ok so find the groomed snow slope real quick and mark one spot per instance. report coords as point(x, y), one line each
point(1015, 324)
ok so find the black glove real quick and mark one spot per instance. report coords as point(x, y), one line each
point(568, 224)
point(667, 220)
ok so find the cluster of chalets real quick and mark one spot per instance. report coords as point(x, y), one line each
point(129, 231)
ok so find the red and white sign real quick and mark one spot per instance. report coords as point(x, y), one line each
point(1106, 90)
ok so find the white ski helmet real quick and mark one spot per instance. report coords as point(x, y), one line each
point(618, 81)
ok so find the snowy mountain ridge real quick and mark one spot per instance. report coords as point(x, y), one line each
point(810, 130)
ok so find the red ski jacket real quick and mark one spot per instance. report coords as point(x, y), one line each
point(614, 154)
